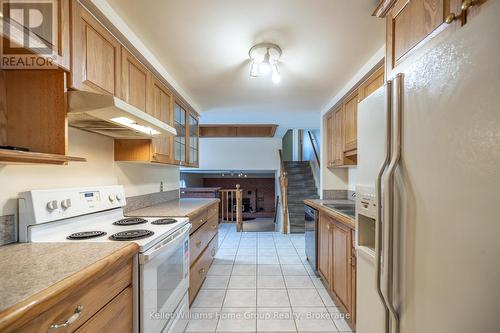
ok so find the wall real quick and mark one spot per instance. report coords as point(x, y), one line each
point(100, 169)
point(342, 178)
point(239, 153)
point(308, 152)
point(192, 179)
point(288, 146)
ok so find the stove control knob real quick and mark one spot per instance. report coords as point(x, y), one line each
point(119, 197)
point(65, 204)
point(112, 197)
point(52, 205)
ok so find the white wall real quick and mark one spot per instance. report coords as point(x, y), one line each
point(239, 153)
point(343, 178)
point(100, 169)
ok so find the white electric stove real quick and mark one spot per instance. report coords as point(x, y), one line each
point(95, 214)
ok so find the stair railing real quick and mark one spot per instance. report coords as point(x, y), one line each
point(284, 189)
point(231, 206)
point(314, 147)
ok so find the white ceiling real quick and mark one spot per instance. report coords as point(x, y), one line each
point(204, 44)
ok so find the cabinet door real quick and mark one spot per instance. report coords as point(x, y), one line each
point(338, 147)
point(162, 110)
point(342, 282)
point(135, 82)
point(95, 54)
point(351, 123)
point(324, 240)
point(193, 140)
point(375, 81)
point(410, 24)
point(49, 40)
point(180, 123)
point(329, 139)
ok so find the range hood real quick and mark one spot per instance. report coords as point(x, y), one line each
point(111, 116)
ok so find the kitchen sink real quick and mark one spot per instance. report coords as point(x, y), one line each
point(347, 209)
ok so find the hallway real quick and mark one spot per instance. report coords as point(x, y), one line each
point(261, 282)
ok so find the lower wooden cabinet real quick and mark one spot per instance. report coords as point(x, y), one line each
point(101, 300)
point(337, 263)
point(204, 243)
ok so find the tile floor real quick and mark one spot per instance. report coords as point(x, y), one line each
point(261, 282)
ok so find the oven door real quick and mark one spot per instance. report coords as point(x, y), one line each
point(164, 280)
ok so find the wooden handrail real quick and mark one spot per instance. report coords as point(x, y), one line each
point(284, 189)
point(314, 147)
point(229, 210)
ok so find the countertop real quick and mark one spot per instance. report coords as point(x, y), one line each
point(175, 208)
point(30, 268)
point(320, 205)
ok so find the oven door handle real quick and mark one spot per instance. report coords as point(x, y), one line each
point(159, 248)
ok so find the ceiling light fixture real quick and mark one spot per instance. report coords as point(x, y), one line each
point(265, 57)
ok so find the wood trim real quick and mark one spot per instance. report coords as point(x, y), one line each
point(32, 157)
point(237, 130)
point(16, 316)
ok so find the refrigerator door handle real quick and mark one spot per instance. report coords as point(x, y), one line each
point(389, 221)
point(378, 188)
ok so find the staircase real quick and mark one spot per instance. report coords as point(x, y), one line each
point(301, 186)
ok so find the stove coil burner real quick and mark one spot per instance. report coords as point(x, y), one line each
point(130, 221)
point(86, 235)
point(164, 221)
point(131, 235)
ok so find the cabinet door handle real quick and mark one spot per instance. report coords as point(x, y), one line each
point(214, 226)
point(198, 243)
point(213, 252)
point(68, 321)
point(201, 271)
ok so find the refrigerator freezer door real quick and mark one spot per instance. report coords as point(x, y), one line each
point(448, 184)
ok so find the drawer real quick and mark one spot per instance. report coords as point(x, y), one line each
point(213, 210)
point(91, 297)
point(197, 220)
point(200, 268)
point(201, 237)
point(114, 317)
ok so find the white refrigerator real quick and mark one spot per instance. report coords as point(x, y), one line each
point(431, 225)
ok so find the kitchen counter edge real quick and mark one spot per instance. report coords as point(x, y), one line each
point(318, 204)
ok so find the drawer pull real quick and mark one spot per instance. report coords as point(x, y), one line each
point(201, 271)
point(214, 226)
point(198, 243)
point(70, 320)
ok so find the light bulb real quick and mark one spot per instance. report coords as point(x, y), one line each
point(276, 77)
point(254, 70)
point(265, 68)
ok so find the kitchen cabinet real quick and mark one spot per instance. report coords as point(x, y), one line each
point(203, 242)
point(350, 119)
point(55, 37)
point(325, 239)
point(337, 262)
point(95, 55)
point(97, 298)
point(375, 81)
point(180, 140)
point(193, 140)
point(136, 82)
point(329, 139)
point(340, 123)
point(33, 116)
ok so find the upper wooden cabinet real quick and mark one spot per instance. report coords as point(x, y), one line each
point(350, 123)
point(136, 82)
point(341, 123)
point(95, 54)
point(55, 37)
point(412, 24)
point(161, 108)
point(180, 140)
point(194, 135)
